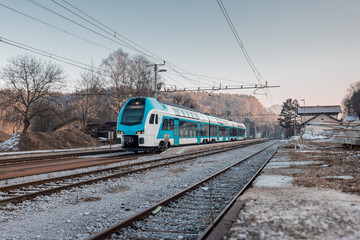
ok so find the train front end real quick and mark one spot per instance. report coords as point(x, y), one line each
point(132, 132)
point(131, 124)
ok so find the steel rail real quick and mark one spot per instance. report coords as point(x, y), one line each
point(209, 229)
point(103, 161)
point(51, 155)
point(20, 198)
point(104, 234)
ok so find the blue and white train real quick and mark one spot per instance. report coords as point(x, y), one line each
point(147, 124)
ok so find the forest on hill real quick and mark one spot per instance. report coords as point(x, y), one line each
point(242, 108)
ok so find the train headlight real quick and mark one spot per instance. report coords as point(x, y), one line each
point(120, 132)
point(140, 132)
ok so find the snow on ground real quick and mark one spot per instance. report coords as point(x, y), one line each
point(11, 144)
point(78, 213)
point(273, 181)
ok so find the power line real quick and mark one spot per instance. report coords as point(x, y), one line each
point(78, 24)
point(218, 78)
point(236, 35)
point(170, 65)
point(115, 33)
point(52, 26)
point(53, 56)
point(102, 35)
point(157, 58)
point(256, 72)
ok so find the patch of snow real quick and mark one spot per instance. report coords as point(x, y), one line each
point(273, 181)
point(12, 143)
point(341, 177)
point(288, 164)
point(307, 136)
point(293, 138)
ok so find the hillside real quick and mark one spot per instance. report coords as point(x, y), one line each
point(231, 106)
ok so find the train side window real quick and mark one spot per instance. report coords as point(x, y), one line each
point(152, 116)
point(157, 119)
point(168, 124)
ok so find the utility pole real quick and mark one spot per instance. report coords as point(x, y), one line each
point(155, 76)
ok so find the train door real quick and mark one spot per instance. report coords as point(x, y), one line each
point(198, 131)
point(217, 133)
point(228, 133)
point(176, 132)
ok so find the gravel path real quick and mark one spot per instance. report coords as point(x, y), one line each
point(78, 213)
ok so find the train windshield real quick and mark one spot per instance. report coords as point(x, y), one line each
point(134, 112)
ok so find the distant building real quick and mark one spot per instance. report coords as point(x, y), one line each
point(317, 119)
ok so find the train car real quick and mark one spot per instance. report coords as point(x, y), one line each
point(146, 124)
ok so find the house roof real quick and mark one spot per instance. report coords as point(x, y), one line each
point(314, 110)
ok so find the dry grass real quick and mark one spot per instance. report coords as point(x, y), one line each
point(336, 161)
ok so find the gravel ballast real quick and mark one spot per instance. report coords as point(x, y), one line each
point(79, 213)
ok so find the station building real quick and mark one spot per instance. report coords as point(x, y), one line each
point(317, 119)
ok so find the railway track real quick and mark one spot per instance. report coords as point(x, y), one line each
point(26, 191)
point(8, 160)
point(193, 212)
point(30, 169)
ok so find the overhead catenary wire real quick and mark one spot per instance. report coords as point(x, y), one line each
point(80, 25)
point(173, 67)
point(52, 56)
point(240, 43)
point(57, 28)
point(256, 72)
point(170, 66)
point(113, 33)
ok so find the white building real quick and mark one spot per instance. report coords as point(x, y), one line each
point(317, 119)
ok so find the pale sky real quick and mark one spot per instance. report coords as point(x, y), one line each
point(308, 47)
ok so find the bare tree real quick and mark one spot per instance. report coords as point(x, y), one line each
point(141, 76)
point(31, 85)
point(116, 66)
point(88, 100)
point(126, 77)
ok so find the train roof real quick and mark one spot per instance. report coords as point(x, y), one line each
point(178, 106)
point(217, 118)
